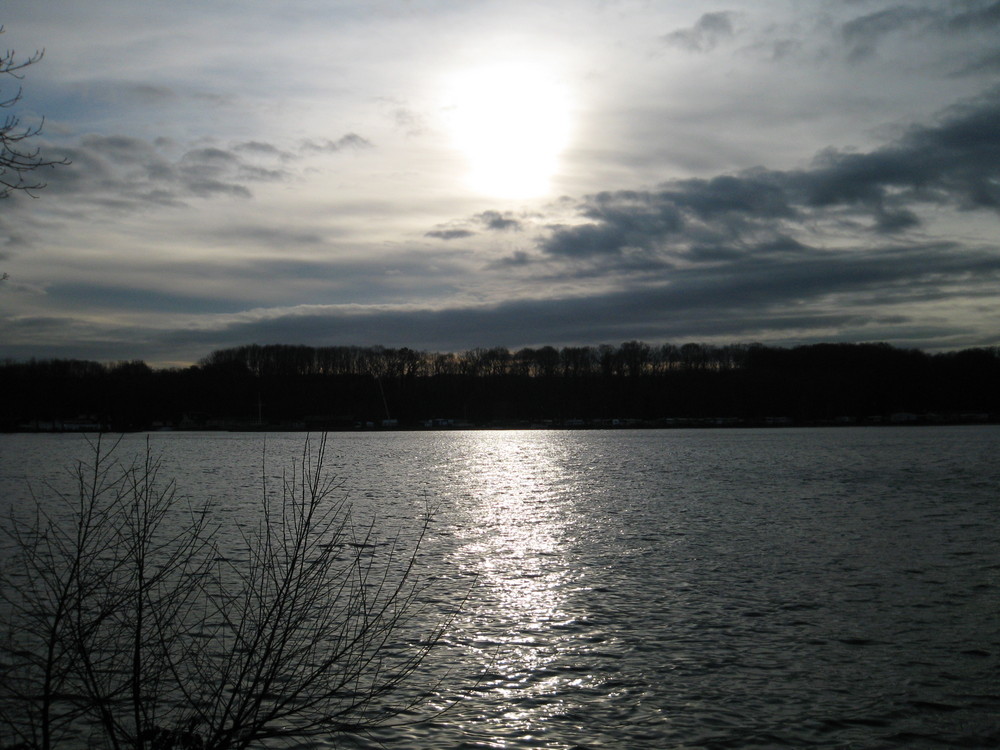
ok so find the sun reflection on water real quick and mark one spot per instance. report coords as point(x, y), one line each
point(529, 619)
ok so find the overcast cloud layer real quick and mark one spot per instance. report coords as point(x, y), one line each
point(244, 172)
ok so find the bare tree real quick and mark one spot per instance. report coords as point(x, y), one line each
point(75, 594)
point(17, 158)
point(134, 621)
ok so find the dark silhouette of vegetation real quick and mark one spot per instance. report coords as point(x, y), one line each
point(131, 620)
point(18, 159)
point(347, 387)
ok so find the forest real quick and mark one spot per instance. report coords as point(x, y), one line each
point(292, 387)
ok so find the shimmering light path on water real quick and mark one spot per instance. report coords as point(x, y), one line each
point(686, 589)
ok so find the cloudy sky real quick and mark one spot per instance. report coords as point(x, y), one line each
point(459, 173)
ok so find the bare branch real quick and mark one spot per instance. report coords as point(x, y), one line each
point(17, 160)
point(128, 614)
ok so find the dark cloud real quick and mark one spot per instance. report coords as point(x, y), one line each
point(449, 234)
point(977, 19)
point(269, 236)
point(261, 149)
point(210, 171)
point(209, 158)
point(152, 94)
point(221, 165)
point(727, 195)
point(115, 170)
point(988, 65)
point(54, 336)
point(494, 221)
point(143, 299)
point(954, 162)
point(745, 297)
point(888, 221)
point(630, 230)
point(122, 149)
point(780, 49)
point(12, 239)
point(774, 291)
point(498, 222)
point(863, 35)
point(517, 258)
point(455, 330)
point(706, 33)
point(351, 140)
point(619, 220)
point(119, 93)
point(756, 283)
point(120, 171)
point(205, 188)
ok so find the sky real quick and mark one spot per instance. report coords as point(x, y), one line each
point(452, 174)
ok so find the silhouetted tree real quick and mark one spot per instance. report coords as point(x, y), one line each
point(635, 356)
point(344, 385)
point(693, 357)
point(577, 361)
point(126, 615)
point(17, 158)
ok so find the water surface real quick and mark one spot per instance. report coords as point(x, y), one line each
point(833, 588)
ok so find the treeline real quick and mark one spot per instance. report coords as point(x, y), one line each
point(344, 387)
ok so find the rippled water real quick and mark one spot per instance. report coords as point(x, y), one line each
point(833, 588)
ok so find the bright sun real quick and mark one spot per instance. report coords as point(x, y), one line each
point(512, 122)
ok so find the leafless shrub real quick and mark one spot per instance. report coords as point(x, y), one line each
point(133, 621)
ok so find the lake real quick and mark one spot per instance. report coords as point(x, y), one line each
point(828, 588)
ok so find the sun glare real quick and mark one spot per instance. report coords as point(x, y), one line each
point(512, 122)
